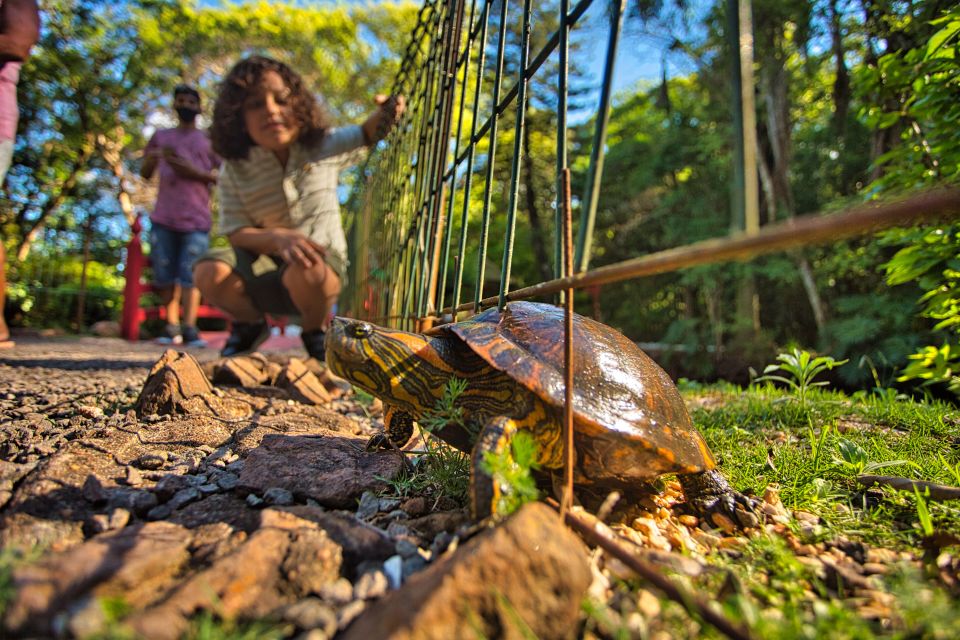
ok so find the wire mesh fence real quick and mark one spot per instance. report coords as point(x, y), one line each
point(444, 202)
point(452, 179)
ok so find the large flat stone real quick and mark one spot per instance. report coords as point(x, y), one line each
point(332, 469)
point(530, 566)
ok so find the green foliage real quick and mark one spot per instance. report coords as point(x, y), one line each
point(923, 513)
point(802, 369)
point(440, 470)
point(446, 412)
point(511, 471)
point(930, 259)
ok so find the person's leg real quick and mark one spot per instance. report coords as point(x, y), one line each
point(6, 156)
point(222, 284)
point(170, 298)
point(314, 291)
point(164, 245)
point(223, 287)
point(4, 330)
point(192, 247)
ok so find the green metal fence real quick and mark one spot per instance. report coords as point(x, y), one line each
point(426, 207)
point(435, 215)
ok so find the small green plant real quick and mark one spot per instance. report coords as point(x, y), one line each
point(954, 469)
point(817, 444)
point(923, 513)
point(511, 470)
point(854, 459)
point(441, 469)
point(446, 412)
point(802, 368)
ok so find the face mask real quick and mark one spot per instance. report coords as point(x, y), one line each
point(187, 114)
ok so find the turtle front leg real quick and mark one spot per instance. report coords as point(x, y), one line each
point(397, 430)
point(485, 491)
point(710, 494)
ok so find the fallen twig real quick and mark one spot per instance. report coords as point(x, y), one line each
point(937, 491)
point(695, 605)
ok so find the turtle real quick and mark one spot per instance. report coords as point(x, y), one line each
point(630, 422)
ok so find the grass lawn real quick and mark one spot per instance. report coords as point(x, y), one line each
point(859, 562)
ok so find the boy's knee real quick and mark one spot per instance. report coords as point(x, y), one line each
point(299, 277)
point(207, 274)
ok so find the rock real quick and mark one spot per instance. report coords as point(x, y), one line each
point(433, 524)
point(371, 584)
point(245, 371)
point(393, 569)
point(150, 461)
point(312, 613)
point(332, 469)
point(369, 505)
point(529, 561)
point(278, 496)
point(241, 583)
point(302, 385)
point(339, 592)
point(136, 562)
point(10, 474)
point(93, 490)
point(132, 477)
point(415, 507)
point(174, 379)
point(359, 542)
point(252, 580)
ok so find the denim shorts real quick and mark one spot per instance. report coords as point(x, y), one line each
point(172, 254)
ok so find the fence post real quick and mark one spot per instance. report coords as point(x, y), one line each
point(130, 317)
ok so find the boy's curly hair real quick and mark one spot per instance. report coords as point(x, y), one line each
point(228, 133)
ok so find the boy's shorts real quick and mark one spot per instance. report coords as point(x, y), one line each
point(172, 254)
point(262, 277)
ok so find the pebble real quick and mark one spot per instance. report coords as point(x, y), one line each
point(371, 584)
point(369, 506)
point(338, 592)
point(278, 496)
point(393, 568)
point(312, 613)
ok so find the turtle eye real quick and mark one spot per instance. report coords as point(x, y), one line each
point(360, 330)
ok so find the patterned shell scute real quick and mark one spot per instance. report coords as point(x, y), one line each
point(618, 389)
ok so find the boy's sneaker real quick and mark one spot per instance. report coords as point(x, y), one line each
point(191, 337)
point(245, 337)
point(313, 342)
point(170, 335)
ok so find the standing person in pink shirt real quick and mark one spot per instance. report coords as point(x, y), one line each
point(19, 31)
point(181, 221)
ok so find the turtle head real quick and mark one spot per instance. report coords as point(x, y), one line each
point(396, 366)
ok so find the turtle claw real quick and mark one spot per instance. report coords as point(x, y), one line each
point(378, 442)
point(722, 506)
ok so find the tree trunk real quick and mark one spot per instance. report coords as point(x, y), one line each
point(110, 151)
point(776, 175)
point(841, 83)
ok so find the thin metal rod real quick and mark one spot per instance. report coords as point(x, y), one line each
point(468, 179)
point(517, 153)
point(562, 72)
point(567, 498)
point(491, 156)
point(448, 233)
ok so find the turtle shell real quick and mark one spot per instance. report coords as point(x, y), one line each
point(620, 394)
